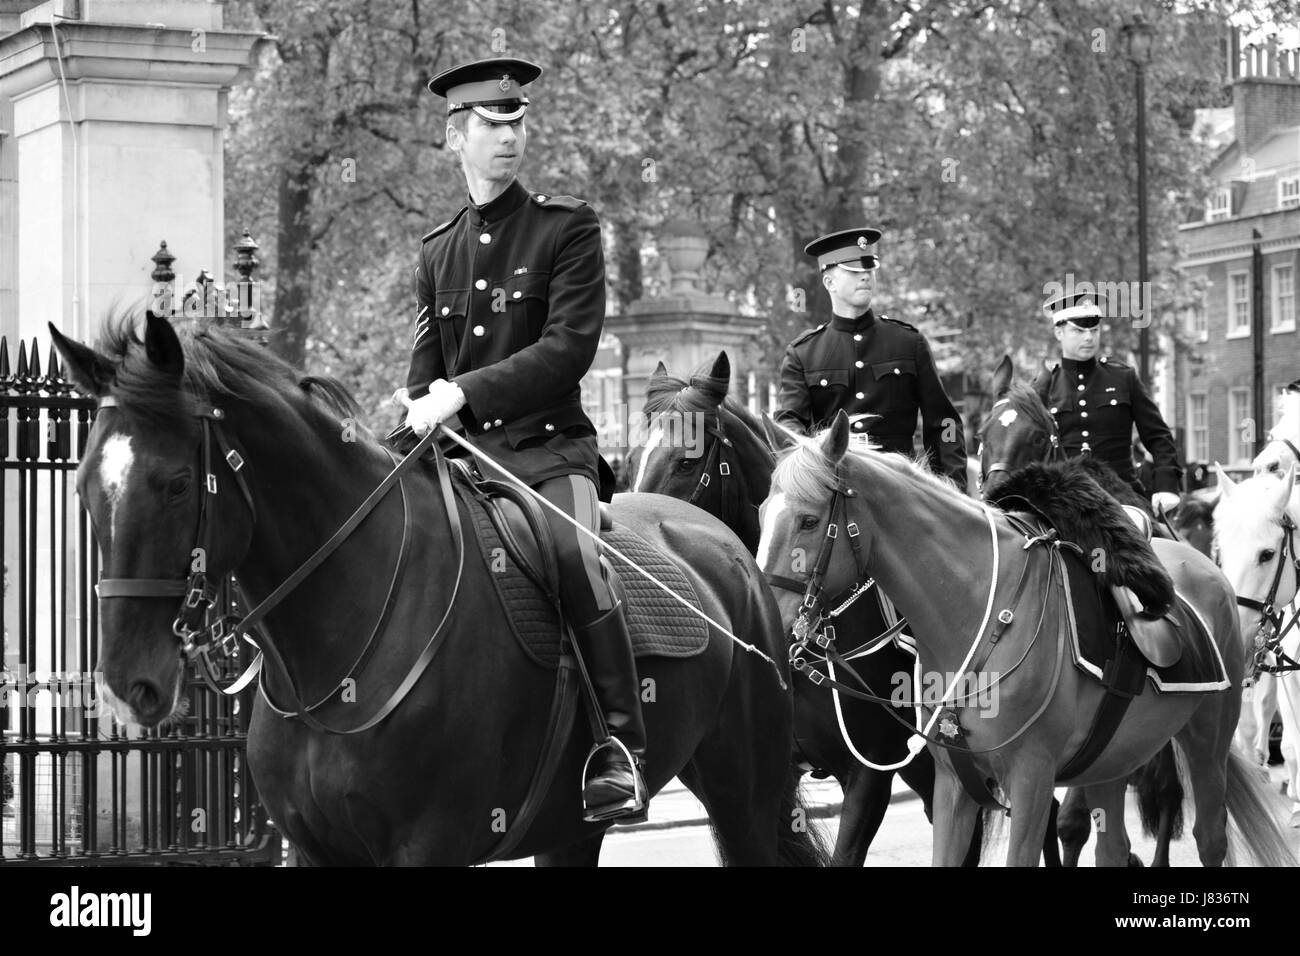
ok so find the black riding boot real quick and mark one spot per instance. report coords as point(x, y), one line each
point(613, 785)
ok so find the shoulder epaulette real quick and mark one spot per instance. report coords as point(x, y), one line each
point(804, 336)
point(547, 201)
point(885, 318)
point(444, 227)
point(1111, 362)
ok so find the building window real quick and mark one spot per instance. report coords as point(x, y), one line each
point(1198, 324)
point(1283, 299)
point(1241, 429)
point(1288, 192)
point(1198, 447)
point(1238, 305)
point(1219, 205)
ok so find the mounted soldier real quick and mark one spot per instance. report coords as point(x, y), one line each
point(876, 369)
point(510, 305)
point(1098, 401)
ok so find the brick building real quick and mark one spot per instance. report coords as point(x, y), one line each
point(1254, 206)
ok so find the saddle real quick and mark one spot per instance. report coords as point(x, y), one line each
point(1158, 638)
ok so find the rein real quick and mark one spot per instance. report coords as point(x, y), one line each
point(1270, 631)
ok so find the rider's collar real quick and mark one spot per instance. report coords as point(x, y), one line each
point(1079, 366)
point(863, 322)
point(497, 208)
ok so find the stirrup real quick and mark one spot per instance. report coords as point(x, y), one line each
point(632, 810)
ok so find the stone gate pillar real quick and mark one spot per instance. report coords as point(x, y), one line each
point(686, 327)
point(113, 113)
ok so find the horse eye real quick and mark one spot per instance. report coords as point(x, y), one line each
point(1266, 555)
point(807, 522)
point(686, 465)
point(178, 485)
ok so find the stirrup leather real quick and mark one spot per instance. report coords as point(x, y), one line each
point(637, 804)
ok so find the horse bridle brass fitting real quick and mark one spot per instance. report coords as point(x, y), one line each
point(196, 590)
point(1269, 633)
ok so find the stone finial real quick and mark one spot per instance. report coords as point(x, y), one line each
point(162, 268)
point(685, 246)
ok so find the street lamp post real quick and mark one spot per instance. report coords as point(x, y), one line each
point(1136, 36)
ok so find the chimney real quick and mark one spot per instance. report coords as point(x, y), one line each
point(1265, 91)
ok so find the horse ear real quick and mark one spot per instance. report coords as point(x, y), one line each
point(1225, 482)
point(162, 345)
point(779, 438)
point(660, 370)
point(722, 369)
point(1002, 376)
point(836, 440)
point(1282, 496)
point(91, 372)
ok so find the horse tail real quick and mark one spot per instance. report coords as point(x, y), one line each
point(1159, 788)
point(800, 841)
point(1251, 819)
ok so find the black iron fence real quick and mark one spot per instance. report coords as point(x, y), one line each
point(77, 788)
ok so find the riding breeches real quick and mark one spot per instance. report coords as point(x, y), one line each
point(585, 592)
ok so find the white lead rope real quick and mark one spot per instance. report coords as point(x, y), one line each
point(402, 396)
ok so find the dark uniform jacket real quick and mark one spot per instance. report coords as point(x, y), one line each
point(1096, 403)
point(877, 366)
point(510, 307)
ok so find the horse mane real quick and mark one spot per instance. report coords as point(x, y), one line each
point(804, 473)
point(218, 365)
point(666, 394)
point(1025, 401)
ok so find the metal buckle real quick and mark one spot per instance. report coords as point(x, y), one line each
point(195, 597)
point(704, 480)
point(816, 676)
point(724, 469)
point(1006, 616)
point(852, 529)
point(212, 483)
point(832, 530)
point(234, 460)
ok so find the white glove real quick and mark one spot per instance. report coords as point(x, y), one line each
point(1164, 501)
point(427, 412)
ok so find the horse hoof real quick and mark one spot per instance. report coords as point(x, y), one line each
point(1133, 860)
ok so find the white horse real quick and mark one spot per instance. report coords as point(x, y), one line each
point(1256, 526)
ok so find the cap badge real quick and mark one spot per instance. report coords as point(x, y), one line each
point(862, 242)
point(505, 83)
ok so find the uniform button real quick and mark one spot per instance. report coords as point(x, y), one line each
point(858, 426)
point(497, 423)
point(857, 338)
point(1083, 414)
point(1085, 434)
point(485, 238)
point(446, 309)
point(550, 427)
point(1114, 402)
point(481, 284)
point(479, 330)
point(487, 426)
point(1080, 375)
point(823, 381)
point(897, 372)
point(860, 395)
point(1052, 409)
point(1081, 388)
point(541, 198)
point(1083, 401)
point(518, 293)
point(858, 364)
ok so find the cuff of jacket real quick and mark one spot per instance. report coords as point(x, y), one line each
point(1167, 479)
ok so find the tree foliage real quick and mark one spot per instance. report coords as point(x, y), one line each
point(993, 142)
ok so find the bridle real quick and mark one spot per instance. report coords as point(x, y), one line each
point(1270, 632)
point(197, 592)
point(1295, 452)
point(201, 642)
point(1054, 451)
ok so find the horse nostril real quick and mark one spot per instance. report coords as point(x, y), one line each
point(144, 698)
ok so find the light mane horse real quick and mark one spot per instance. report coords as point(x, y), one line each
point(950, 563)
point(1249, 534)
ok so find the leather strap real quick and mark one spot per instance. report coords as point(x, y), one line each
point(1126, 667)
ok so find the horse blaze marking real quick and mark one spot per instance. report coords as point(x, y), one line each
point(651, 443)
point(115, 461)
point(775, 508)
point(1007, 417)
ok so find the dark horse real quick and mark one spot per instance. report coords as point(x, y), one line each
point(440, 778)
point(723, 464)
point(1018, 431)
